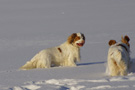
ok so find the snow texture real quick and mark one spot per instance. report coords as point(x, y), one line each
point(28, 26)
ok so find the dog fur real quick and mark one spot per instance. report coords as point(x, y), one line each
point(118, 57)
point(67, 54)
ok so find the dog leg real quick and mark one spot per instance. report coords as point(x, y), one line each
point(71, 61)
point(45, 61)
point(114, 69)
point(68, 63)
point(123, 68)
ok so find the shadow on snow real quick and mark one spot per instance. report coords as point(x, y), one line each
point(81, 64)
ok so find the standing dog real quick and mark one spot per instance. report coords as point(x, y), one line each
point(67, 54)
point(118, 57)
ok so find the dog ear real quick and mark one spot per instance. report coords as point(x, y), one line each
point(112, 42)
point(83, 36)
point(71, 38)
point(125, 40)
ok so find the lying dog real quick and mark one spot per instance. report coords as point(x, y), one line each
point(118, 57)
point(67, 54)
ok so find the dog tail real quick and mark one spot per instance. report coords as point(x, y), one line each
point(31, 64)
point(38, 61)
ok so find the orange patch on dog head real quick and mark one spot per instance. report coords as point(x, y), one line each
point(71, 38)
point(125, 40)
point(76, 38)
point(112, 42)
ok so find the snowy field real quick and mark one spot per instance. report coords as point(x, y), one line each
point(28, 26)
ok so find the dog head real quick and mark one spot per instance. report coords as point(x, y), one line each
point(77, 39)
point(125, 40)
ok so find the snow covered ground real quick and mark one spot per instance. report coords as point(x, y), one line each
point(28, 26)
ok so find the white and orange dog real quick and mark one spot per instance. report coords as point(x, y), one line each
point(67, 54)
point(118, 57)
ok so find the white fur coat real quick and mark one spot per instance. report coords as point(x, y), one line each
point(67, 54)
point(118, 62)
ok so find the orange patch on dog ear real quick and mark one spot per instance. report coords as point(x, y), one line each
point(125, 40)
point(71, 38)
point(112, 42)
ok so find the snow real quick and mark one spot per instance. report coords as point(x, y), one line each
point(28, 26)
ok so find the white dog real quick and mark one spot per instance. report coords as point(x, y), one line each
point(118, 57)
point(64, 55)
